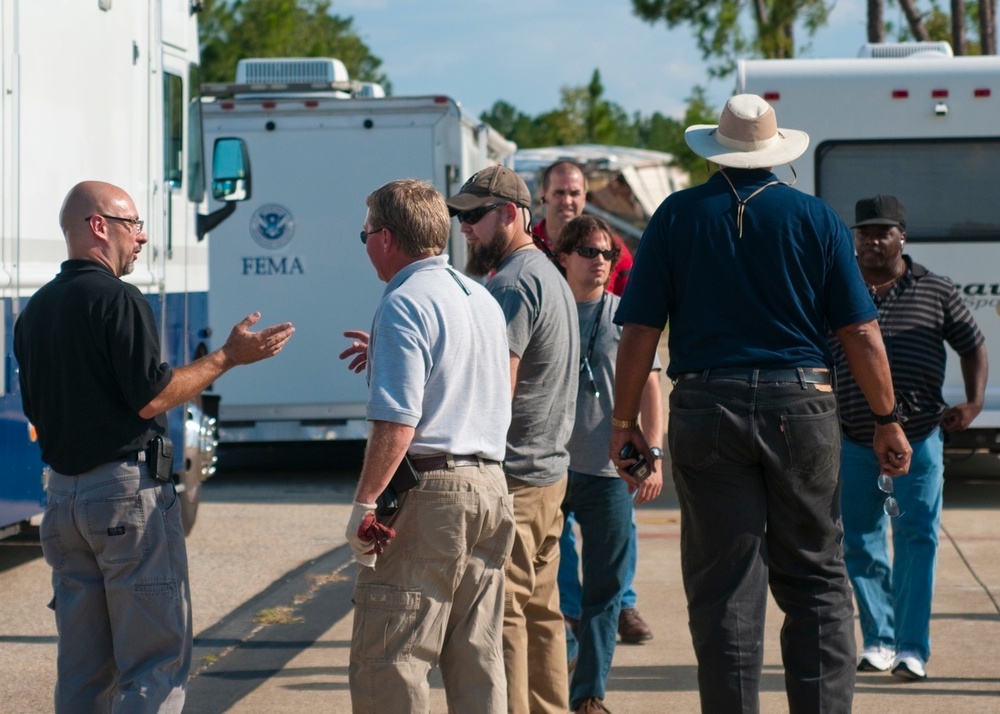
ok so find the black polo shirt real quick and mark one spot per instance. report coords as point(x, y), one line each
point(89, 358)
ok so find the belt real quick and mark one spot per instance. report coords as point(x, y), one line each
point(439, 462)
point(807, 375)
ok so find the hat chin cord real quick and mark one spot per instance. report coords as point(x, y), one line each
point(741, 203)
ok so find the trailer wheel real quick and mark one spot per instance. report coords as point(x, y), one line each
point(201, 441)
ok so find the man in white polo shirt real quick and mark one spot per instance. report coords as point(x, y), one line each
point(439, 404)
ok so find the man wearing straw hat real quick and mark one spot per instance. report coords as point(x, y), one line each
point(750, 274)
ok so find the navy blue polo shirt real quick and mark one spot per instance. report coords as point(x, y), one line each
point(89, 358)
point(764, 300)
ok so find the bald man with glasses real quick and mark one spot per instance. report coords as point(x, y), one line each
point(93, 385)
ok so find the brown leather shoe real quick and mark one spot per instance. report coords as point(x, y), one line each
point(632, 628)
point(592, 705)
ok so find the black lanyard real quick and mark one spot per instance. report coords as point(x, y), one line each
point(585, 362)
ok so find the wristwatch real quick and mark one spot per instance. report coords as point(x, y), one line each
point(656, 451)
point(890, 418)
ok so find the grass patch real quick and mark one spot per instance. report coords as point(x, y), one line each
point(277, 616)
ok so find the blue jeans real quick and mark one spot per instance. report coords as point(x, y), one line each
point(756, 469)
point(894, 602)
point(603, 508)
point(570, 590)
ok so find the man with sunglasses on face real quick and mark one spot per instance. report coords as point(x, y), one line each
point(601, 501)
point(918, 313)
point(493, 208)
point(94, 387)
point(439, 407)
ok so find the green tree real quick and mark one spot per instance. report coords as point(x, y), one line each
point(583, 116)
point(661, 133)
point(231, 30)
point(718, 25)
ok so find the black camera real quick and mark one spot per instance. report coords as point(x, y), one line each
point(640, 470)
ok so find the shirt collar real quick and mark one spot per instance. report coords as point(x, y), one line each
point(434, 262)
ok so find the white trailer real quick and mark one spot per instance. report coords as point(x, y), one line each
point(95, 89)
point(913, 121)
point(318, 145)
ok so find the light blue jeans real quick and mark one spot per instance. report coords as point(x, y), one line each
point(894, 601)
point(570, 589)
point(603, 507)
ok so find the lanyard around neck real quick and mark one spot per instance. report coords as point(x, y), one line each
point(585, 362)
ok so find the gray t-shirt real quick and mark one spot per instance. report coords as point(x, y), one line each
point(542, 330)
point(588, 447)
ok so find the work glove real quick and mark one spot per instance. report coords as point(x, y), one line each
point(368, 537)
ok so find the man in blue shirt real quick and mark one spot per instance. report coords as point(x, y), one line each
point(751, 274)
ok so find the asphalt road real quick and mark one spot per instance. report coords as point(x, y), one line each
point(268, 548)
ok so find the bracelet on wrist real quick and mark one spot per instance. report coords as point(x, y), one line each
point(624, 423)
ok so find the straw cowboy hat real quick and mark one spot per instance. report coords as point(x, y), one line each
point(747, 136)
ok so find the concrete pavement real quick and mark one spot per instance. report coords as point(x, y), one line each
point(660, 675)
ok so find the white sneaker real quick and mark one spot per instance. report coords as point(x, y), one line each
point(877, 658)
point(909, 665)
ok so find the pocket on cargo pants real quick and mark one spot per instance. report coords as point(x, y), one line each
point(384, 622)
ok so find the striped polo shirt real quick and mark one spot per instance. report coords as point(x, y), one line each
point(919, 314)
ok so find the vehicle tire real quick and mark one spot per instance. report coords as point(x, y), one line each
point(201, 442)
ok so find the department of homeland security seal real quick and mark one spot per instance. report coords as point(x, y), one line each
point(272, 226)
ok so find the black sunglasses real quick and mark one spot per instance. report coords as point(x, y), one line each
point(476, 214)
point(365, 234)
point(591, 253)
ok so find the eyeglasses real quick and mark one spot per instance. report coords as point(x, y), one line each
point(591, 253)
point(891, 505)
point(476, 214)
point(131, 221)
point(365, 234)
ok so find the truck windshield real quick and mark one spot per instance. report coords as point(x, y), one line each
point(948, 186)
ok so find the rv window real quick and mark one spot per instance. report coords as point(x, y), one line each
point(173, 130)
point(948, 187)
point(196, 145)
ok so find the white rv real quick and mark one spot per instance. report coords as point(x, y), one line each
point(95, 89)
point(318, 144)
point(913, 121)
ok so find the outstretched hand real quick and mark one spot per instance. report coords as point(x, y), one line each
point(246, 347)
point(358, 348)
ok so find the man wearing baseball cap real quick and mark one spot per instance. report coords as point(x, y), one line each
point(751, 273)
point(493, 208)
point(918, 313)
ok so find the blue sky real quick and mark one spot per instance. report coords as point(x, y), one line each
point(524, 51)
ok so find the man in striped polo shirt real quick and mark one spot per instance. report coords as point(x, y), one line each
point(918, 313)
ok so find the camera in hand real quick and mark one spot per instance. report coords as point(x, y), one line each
point(640, 470)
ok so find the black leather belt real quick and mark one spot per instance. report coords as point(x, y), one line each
point(439, 462)
point(808, 375)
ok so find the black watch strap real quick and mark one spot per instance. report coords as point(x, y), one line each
point(890, 418)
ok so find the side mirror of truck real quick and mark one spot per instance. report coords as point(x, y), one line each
point(230, 181)
point(230, 170)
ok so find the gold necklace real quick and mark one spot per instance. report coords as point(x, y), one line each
point(875, 288)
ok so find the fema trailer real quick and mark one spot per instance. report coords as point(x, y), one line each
point(913, 121)
point(318, 144)
point(101, 92)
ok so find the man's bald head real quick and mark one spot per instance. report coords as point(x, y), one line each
point(88, 198)
point(98, 221)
